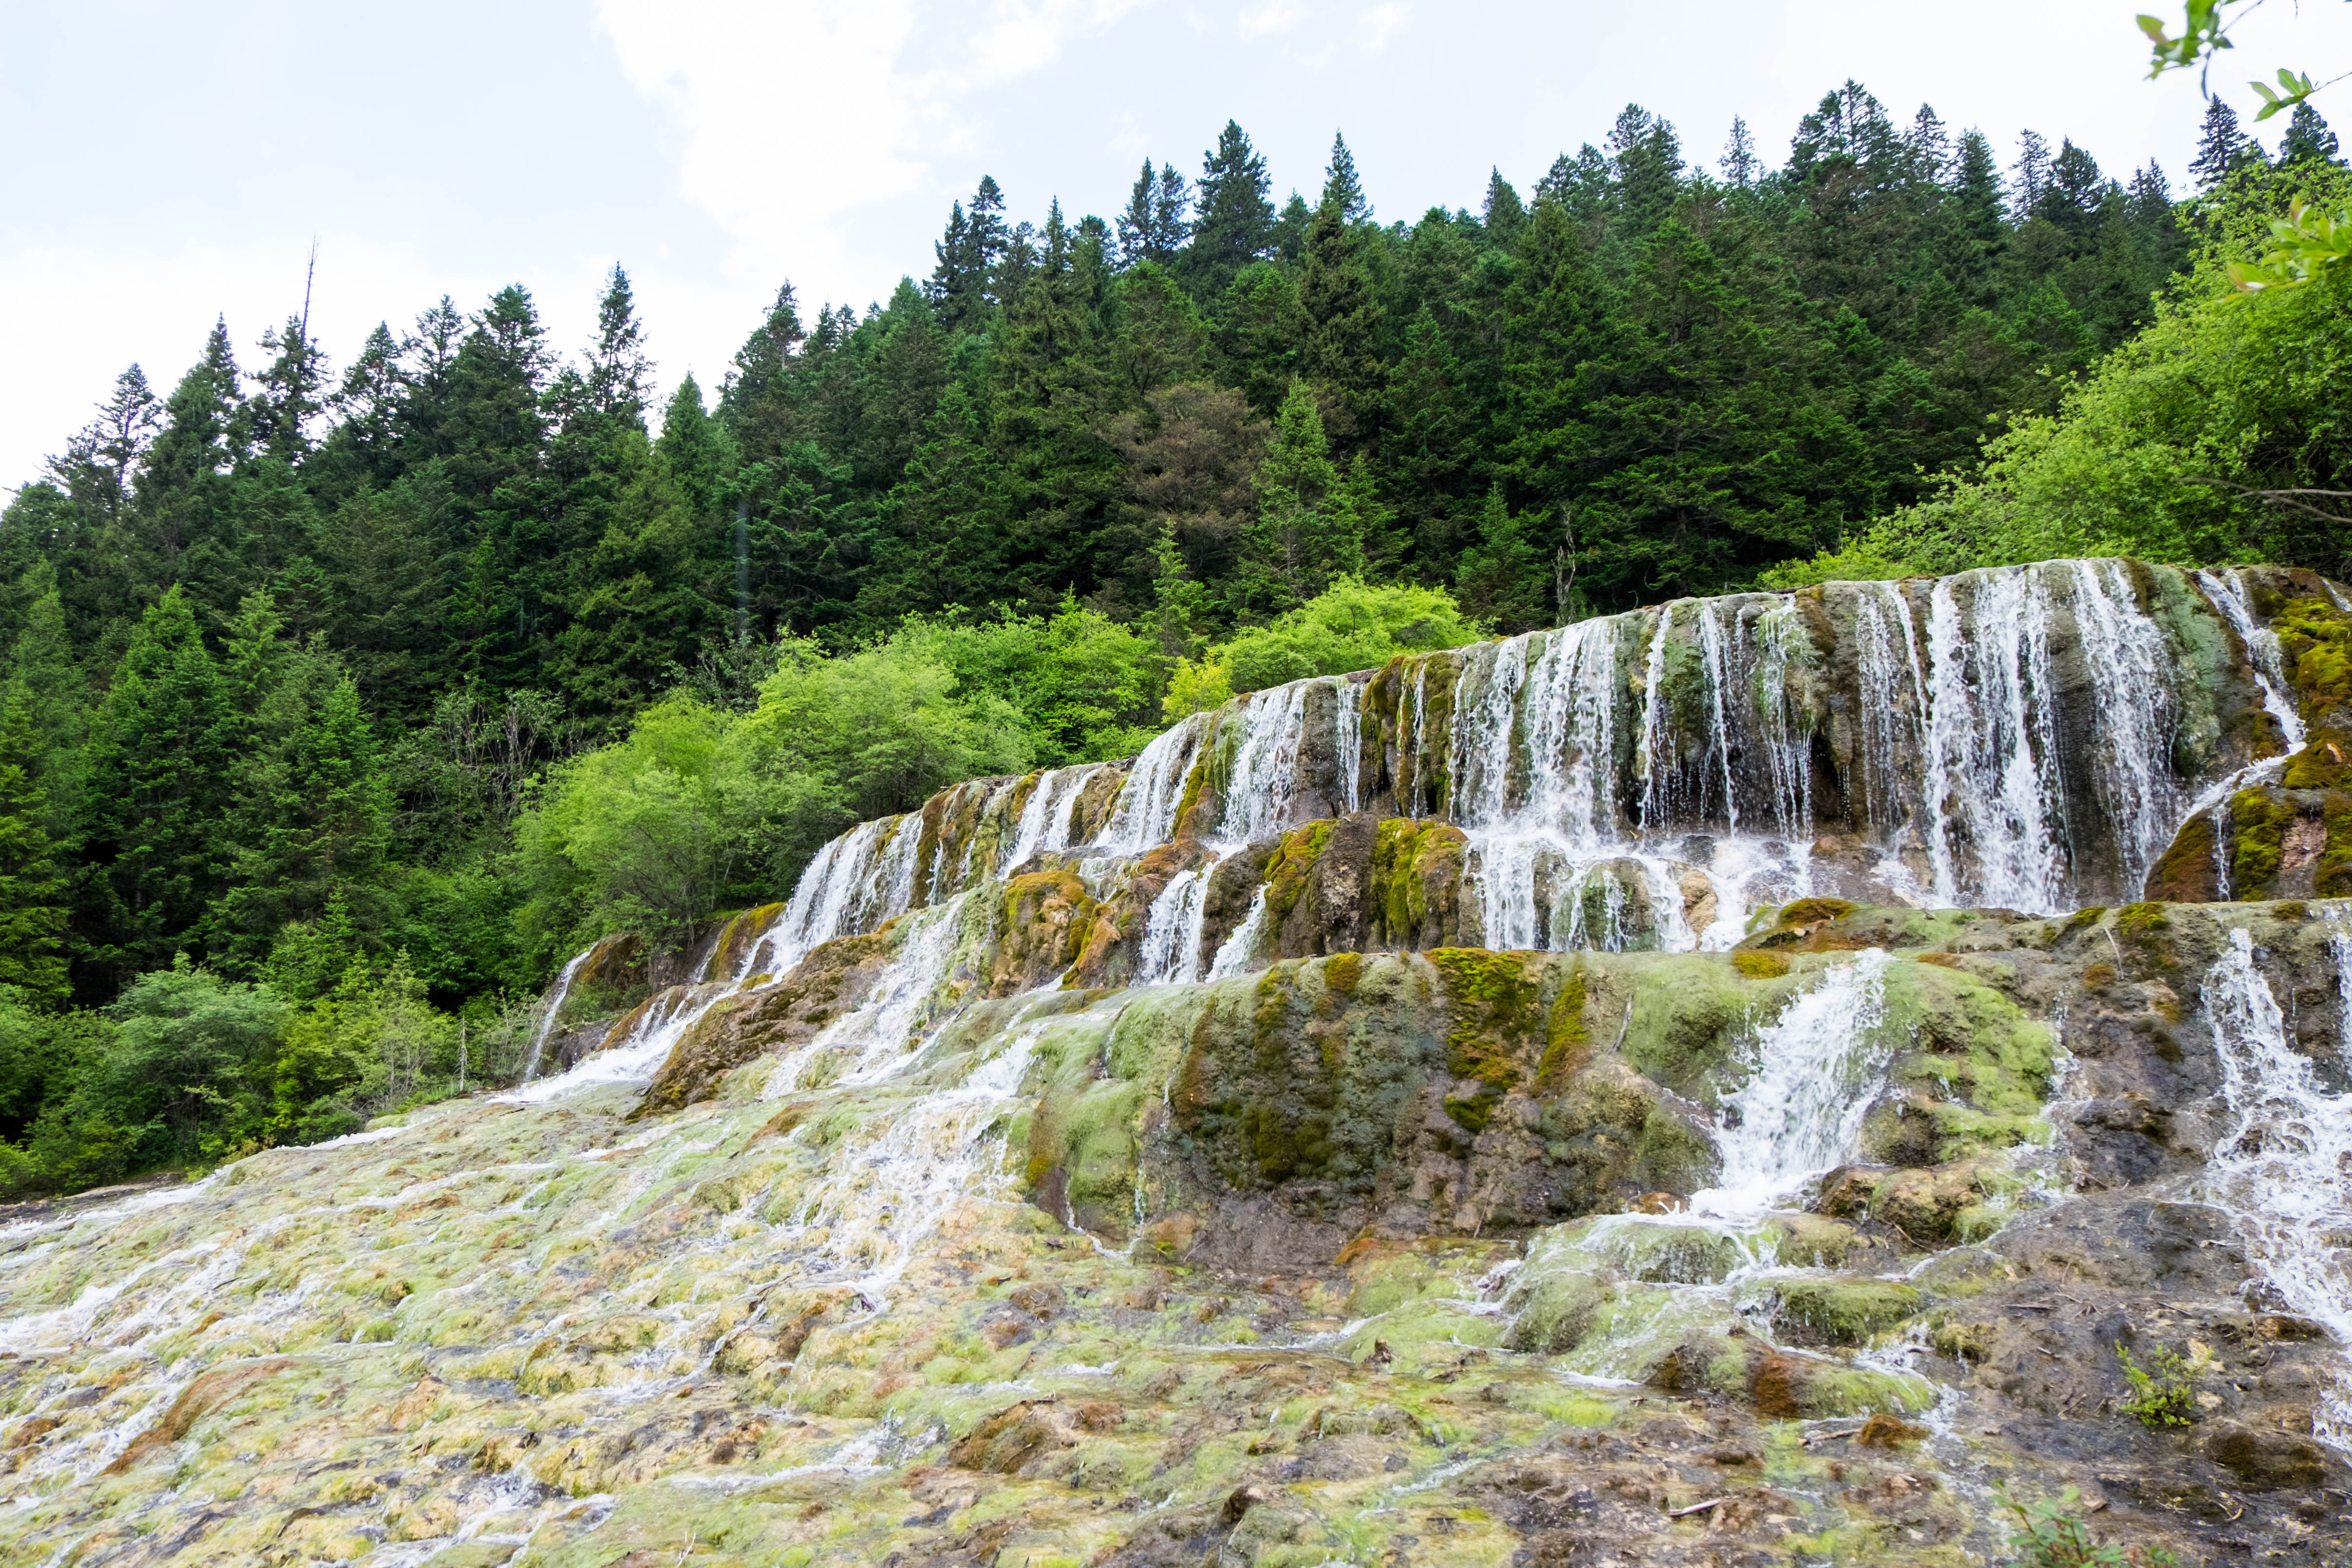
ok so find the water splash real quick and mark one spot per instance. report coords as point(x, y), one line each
point(2283, 1171)
point(1818, 1066)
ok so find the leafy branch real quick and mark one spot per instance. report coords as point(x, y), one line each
point(2302, 243)
point(2205, 33)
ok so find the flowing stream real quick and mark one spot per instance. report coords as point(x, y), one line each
point(1641, 780)
point(2283, 1170)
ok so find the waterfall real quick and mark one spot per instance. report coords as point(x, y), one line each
point(1787, 736)
point(2228, 593)
point(1653, 723)
point(1171, 930)
point(1046, 815)
point(1817, 1067)
point(1263, 783)
point(554, 1006)
point(1711, 649)
point(2283, 1170)
point(1891, 700)
point(1144, 816)
point(2134, 721)
point(1238, 950)
point(886, 1193)
point(822, 902)
point(1996, 739)
point(1348, 740)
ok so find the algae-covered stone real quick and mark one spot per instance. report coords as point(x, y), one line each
point(1846, 1311)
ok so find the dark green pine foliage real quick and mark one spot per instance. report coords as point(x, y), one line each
point(2222, 149)
point(2307, 140)
point(310, 809)
point(1153, 226)
point(1233, 222)
point(1191, 418)
point(154, 790)
point(31, 890)
point(1341, 343)
point(1054, 388)
point(507, 594)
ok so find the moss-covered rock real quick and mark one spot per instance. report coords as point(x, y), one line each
point(1846, 1311)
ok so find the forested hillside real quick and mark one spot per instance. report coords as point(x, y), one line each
point(343, 703)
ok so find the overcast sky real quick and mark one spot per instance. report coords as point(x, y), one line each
point(166, 163)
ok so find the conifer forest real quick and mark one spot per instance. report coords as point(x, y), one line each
point(342, 702)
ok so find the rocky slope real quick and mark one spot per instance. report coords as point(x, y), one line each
point(1528, 1105)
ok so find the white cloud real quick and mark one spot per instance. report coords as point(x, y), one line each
point(1377, 25)
point(1274, 16)
point(794, 115)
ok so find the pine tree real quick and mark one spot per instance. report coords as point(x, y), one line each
point(2029, 175)
point(947, 526)
point(1968, 232)
point(153, 799)
point(1426, 442)
point(1555, 328)
point(1740, 166)
point(1647, 157)
point(1502, 213)
point(1170, 226)
point(1135, 224)
point(289, 393)
point(181, 531)
point(428, 370)
point(1503, 577)
point(312, 812)
point(1929, 145)
point(1306, 532)
point(1234, 225)
point(47, 679)
point(32, 902)
point(363, 450)
point(2221, 148)
point(1160, 336)
point(619, 376)
point(2307, 138)
point(97, 462)
point(1341, 186)
point(1341, 348)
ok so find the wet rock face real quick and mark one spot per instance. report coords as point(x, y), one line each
point(1675, 1195)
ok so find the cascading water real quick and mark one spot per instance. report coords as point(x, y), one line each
point(1996, 796)
point(2227, 590)
point(1172, 929)
point(1145, 812)
point(1264, 778)
point(1818, 1068)
point(1657, 827)
point(2283, 1170)
point(554, 1005)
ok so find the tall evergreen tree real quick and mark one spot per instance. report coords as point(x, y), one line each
point(620, 377)
point(32, 890)
point(153, 799)
point(1234, 225)
point(2308, 139)
point(1740, 166)
point(1502, 213)
point(1341, 187)
point(2221, 148)
point(1342, 344)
